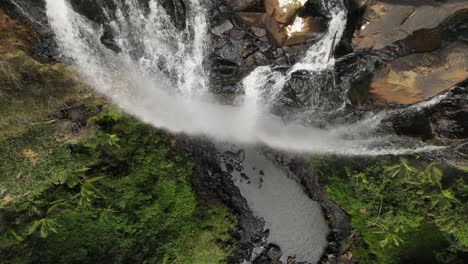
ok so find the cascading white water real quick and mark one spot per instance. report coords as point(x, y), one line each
point(158, 76)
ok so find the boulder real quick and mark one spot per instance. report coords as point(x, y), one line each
point(222, 28)
point(302, 30)
point(446, 121)
point(271, 255)
point(305, 90)
point(420, 76)
point(386, 22)
point(276, 33)
point(259, 32)
point(283, 10)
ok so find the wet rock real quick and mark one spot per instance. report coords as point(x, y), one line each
point(462, 149)
point(271, 255)
point(297, 30)
point(417, 77)
point(229, 168)
point(253, 19)
point(176, 10)
point(222, 28)
point(259, 32)
point(354, 73)
point(238, 5)
point(210, 182)
point(304, 90)
point(244, 176)
point(258, 58)
point(386, 22)
point(301, 37)
point(445, 122)
point(43, 46)
point(225, 68)
point(415, 125)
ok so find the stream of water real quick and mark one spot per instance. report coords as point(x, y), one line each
point(159, 77)
point(295, 222)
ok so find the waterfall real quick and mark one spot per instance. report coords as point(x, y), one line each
point(159, 77)
point(318, 59)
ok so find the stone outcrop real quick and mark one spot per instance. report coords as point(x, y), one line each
point(421, 45)
point(446, 121)
point(386, 22)
point(418, 77)
point(283, 22)
point(283, 11)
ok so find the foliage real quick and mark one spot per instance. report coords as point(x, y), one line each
point(214, 224)
point(393, 205)
point(103, 190)
point(121, 196)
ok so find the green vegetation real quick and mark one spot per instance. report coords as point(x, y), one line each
point(31, 92)
point(401, 213)
point(122, 195)
point(80, 182)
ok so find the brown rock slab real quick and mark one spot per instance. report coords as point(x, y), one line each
point(418, 77)
point(386, 22)
point(283, 10)
point(300, 38)
point(276, 32)
point(252, 19)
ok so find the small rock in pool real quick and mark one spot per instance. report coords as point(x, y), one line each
point(222, 28)
point(229, 167)
point(244, 176)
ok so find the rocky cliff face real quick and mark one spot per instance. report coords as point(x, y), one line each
point(423, 44)
point(405, 53)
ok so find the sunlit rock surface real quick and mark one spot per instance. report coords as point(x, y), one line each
point(422, 44)
point(281, 21)
point(420, 76)
point(386, 22)
point(283, 10)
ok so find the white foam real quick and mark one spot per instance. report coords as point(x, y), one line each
point(159, 77)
